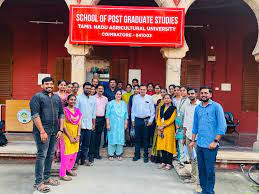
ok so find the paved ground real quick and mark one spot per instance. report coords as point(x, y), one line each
point(116, 177)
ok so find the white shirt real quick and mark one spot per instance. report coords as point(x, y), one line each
point(188, 118)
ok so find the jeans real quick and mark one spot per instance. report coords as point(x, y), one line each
point(117, 149)
point(44, 158)
point(152, 131)
point(167, 158)
point(206, 165)
point(141, 131)
point(84, 145)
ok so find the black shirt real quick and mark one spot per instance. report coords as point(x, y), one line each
point(49, 109)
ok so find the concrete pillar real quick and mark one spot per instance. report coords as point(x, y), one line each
point(78, 69)
point(173, 57)
point(256, 144)
point(173, 71)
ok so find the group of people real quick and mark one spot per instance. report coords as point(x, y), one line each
point(71, 125)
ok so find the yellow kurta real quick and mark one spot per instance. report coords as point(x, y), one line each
point(168, 142)
point(72, 129)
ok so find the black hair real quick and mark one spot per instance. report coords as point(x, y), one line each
point(158, 86)
point(112, 79)
point(74, 83)
point(143, 85)
point(87, 84)
point(136, 86)
point(69, 83)
point(129, 85)
point(167, 95)
point(206, 87)
point(135, 80)
point(118, 91)
point(190, 89)
point(95, 78)
point(60, 81)
point(150, 84)
point(120, 82)
point(185, 87)
point(178, 87)
point(164, 89)
point(171, 85)
point(47, 79)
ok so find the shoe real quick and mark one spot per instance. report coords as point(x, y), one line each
point(72, 173)
point(161, 166)
point(145, 159)
point(91, 159)
point(98, 157)
point(66, 178)
point(136, 158)
point(191, 180)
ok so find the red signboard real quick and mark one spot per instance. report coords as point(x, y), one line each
point(132, 26)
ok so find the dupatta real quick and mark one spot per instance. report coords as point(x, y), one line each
point(73, 118)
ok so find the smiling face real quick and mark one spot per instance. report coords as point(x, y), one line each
point(192, 95)
point(205, 95)
point(128, 89)
point(113, 84)
point(183, 92)
point(93, 90)
point(48, 86)
point(118, 95)
point(62, 86)
point(150, 88)
point(163, 93)
point(69, 88)
point(143, 90)
point(136, 90)
point(177, 91)
point(157, 89)
point(75, 88)
point(171, 90)
point(167, 99)
point(71, 101)
point(95, 82)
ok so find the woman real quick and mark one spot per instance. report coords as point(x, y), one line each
point(177, 98)
point(166, 132)
point(126, 96)
point(69, 88)
point(157, 94)
point(117, 121)
point(71, 136)
point(155, 155)
point(62, 86)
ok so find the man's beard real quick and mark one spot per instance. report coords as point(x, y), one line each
point(204, 99)
point(192, 98)
point(48, 91)
point(86, 93)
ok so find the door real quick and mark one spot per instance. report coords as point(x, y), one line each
point(63, 69)
point(119, 69)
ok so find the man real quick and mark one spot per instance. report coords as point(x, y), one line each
point(120, 87)
point(142, 115)
point(209, 125)
point(95, 82)
point(75, 88)
point(101, 102)
point(47, 112)
point(135, 82)
point(87, 106)
point(171, 90)
point(110, 94)
point(188, 125)
point(150, 89)
point(111, 90)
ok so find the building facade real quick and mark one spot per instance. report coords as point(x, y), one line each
point(221, 50)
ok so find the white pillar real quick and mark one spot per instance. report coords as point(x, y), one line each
point(173, 71)
point(256, 144)
point(78, 70)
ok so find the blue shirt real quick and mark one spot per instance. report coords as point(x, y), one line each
point(208, 122)
point(143, 107)
point(110, 94)
point(87, 106)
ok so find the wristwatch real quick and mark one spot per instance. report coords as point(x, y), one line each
point(61, 131)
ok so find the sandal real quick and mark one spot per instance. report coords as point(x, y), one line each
point(161, 166)
point(71, 173)
point(168, 167)
point(42, 188)
point(66, 178)
point(52, 182)
point(119, 158)
point(110, 158)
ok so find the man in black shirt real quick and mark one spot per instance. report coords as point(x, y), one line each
point(48, 117)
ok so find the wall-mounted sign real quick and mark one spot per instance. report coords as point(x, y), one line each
point(131, 26)
point(212, 58)
point(24, 116)
point(134, 74)
point(226, 87)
